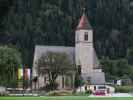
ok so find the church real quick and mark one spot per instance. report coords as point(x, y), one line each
point(83, 55)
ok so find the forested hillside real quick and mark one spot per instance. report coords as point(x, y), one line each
point(25, 23)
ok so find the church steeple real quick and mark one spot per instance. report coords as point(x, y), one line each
point(83, 23)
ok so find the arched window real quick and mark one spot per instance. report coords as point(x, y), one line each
point(86, 36)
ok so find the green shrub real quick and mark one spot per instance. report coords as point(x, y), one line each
point(81, 94)
point(59, 93)
point(49, 87)
point(88, 92)
point(3, 94)
point(124, 89)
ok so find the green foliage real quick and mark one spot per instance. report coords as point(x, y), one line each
point(10, 59)
point(130, 56)
point(78, 81)
point(124, 89)
point(68, 93)
point(87, 93)
point(131, 72)
point(115, 68)
point(50, 86)
point(4, 94)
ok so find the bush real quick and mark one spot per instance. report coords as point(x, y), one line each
point(59, 93)
point(49, 87)
point(124, 89)
point(3, 94)
point(68, 93)
point(81, 94)
point(88, 92)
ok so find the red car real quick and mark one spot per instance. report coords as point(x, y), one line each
point(99, 92)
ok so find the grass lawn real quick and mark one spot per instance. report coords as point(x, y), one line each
point(65, 98)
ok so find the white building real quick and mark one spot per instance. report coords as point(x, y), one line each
point(83, 55)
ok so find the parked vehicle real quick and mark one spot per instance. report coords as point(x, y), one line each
point(100, 90)
point(97, 89)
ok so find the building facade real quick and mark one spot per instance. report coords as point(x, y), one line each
point(83, 55)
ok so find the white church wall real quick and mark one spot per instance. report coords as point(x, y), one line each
point(98, 78)
point(84, 50)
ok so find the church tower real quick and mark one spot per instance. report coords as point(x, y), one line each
point(84, 47)
point(85, 54)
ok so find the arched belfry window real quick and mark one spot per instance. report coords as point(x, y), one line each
point(86, 36)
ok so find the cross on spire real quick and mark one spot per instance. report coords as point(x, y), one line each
point(83, 10)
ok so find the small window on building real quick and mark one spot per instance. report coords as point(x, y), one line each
point(86, 36)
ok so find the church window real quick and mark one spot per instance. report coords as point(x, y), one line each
point(86, 37)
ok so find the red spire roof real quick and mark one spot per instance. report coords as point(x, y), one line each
point(83, 23)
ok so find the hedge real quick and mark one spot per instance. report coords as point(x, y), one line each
point(124, 89)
